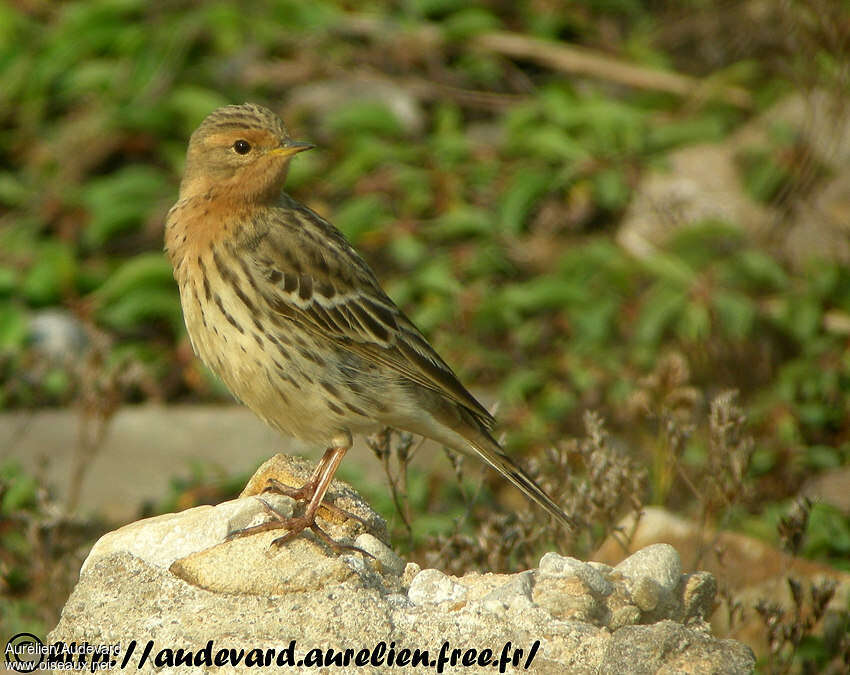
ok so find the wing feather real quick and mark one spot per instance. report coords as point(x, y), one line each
point(316, 279)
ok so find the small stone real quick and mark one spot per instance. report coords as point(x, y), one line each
point(433, 587)
point(387, 558)
point(57, 334)
point(627, 615)
point(600, 567)
point(698, 596)
point(410, 572)
point(659, 562)
point(646, 593)
point(251, 512)
point(558, 566)
point(512, 594)
point(568, 599)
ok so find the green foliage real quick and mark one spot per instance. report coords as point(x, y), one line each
point(13, 328)
point(51, 275)
point(828, 536)
point(361, 215)
point(139, 292)
point(17, 496)
point(523, 191)
point(20, 489)
point(119, 202)
point(364, 117)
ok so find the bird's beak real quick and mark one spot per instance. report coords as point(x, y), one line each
point(291, 148)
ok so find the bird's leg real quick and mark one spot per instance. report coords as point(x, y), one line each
point(305, 492)
point(313, 492)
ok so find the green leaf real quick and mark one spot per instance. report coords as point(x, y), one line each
point(8, 280)
point(521, 384)
point(762, 270)
point(593, 323)
point(364, 154)
point(303, 170)
point(408, 250)
point(20, 492)
point(13, 327)
point(674, 133)
point(143, 271)
point(56, 382)
point(803, 318)
point(763, 176)
point(521, 195)
point(460, 222)
point(670, 269)
point(540, 294)
point(469, 22)
point(437, 276)
point(193, 103)
point(92, 76)
point(822, 457)
point(364, 117)
point(52, 275)
point(301, 16)
point(736, 312)
point(120, 202)
point(610, 190)
point(694, 322)
point(142, 306)
point(828, 534)
point(550, 143)
point(360, 215)
point(12, 190)
point(660, 308)
point(436, 310)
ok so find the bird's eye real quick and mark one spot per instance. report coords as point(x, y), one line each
point(242, 147)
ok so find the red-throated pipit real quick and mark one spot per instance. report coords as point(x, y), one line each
point(281, 307)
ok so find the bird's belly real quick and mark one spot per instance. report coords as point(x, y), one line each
point(285, 376)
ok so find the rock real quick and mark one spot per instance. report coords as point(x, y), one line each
point(513, 594)
point(703, 184)
point(749, 570)
point(174, 580)
point(669, 647)
point(818, 117)
point(698, 596)
point(435, 588)
point(57, 335)
point(658, 562)
point(326, 98)
point(830, 487)
point(571, 589)
point(554, 565)
point(381, 553)
point(820, 224)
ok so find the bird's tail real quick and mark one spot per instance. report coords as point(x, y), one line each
point(491, 452)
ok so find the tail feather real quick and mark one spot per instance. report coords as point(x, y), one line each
point(490, 451)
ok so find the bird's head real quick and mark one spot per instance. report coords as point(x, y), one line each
point(239, 152)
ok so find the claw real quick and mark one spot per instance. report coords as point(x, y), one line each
point(312, 492)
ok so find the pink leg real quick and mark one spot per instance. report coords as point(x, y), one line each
point(313, 492)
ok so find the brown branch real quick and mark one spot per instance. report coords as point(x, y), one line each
point(582, 61)
point(554, 55)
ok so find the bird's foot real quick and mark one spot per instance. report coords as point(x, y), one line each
point(295, 525)
point(306, 493)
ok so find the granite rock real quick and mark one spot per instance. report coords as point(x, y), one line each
point(174, 580)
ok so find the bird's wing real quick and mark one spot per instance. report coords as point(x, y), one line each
point(313, 277)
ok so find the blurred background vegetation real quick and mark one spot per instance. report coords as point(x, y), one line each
point(541, 185)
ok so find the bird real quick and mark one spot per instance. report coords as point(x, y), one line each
point(281, 307)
